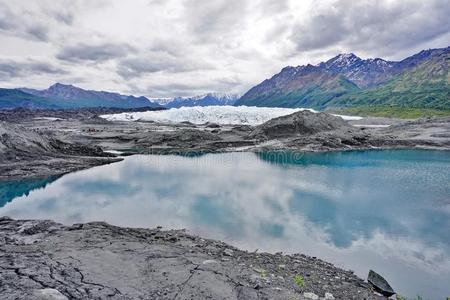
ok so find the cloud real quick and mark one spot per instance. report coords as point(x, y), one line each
point(158, 61)
point(93, 53)
point(15, 24)
point(215, 19)
point(387, 26)
point(184, 47)
point(22, 69)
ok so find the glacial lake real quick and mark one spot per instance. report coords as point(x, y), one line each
point(383, 210)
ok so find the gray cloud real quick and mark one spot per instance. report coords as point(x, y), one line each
point(186, 47)
point(368, 25)
point(158, 61)
point(212, 20)
point(93, 53)
point(39, 32)
point(64, 17)
point(22, 69)
point(15, 24)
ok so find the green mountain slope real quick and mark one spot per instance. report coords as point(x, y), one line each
point(12, 98)
point(304, 86)
point(68, 96)
point(425, 86)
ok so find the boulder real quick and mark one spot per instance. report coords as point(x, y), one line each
point(380, 284)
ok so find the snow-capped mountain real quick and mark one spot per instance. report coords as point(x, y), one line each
point(346, 79)
point(373, 71)
point(302, 86)
point(209, 99)
point(64, 95)
point(363, 72)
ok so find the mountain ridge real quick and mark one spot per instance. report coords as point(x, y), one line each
point(372, 78)
point(70, 96)
point(208, 99)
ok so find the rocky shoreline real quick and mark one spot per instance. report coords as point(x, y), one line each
point(47, 260)
point(77, 140)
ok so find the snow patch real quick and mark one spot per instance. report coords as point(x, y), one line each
point(239, 115)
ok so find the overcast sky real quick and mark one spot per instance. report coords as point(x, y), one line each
point(164, 48)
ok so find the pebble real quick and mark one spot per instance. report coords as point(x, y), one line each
point(210, 261)
point(228, 252)
point(310, 296)
point(49, 294)
point(329, 296)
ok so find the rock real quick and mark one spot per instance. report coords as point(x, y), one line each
point(329, 296)
point(228, 252)
point(49, 294)
point(210, 262)
point(212, 125)
point(310, 295)
point(380, 284)
point(57, 266)
point(246, 293)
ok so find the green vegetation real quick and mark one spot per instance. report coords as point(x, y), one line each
point(299, 281)
point(418, 92)
point(395, 112)
point(262, 273)
point(314, 89)
point(11, 98)
point(426, 86)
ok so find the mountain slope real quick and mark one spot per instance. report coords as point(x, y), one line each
point(364, 73)
point(303, 86)
point(374, 71)
point(346, 80)
point(210, 99)
point(69, 96)
point(12, 98)
point(425, 86)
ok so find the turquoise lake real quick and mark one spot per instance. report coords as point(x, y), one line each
point(383, 210)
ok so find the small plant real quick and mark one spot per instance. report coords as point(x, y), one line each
point(262, 273)
point(299, 281)
point(400, 297)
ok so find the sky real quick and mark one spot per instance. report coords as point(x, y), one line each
point(167, 48)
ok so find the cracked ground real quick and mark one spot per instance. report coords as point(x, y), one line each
point(46, 260)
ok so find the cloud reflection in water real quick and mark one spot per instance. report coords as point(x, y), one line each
point(381, 209)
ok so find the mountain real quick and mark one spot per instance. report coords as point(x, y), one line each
point(362, 72)
point(426, 86)
point(210, 99)
point(420, 80)
point(13, 98)
point(302, 86)
point(69, 96)
point(374, 71)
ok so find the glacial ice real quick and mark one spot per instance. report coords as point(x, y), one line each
point(242, 115)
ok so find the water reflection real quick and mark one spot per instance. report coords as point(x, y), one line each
point(387, 210)
point(11, 189)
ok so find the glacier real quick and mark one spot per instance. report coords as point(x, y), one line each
point(223, 115)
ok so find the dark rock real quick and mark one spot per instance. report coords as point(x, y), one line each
point(212, 125)
point(380, 284)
